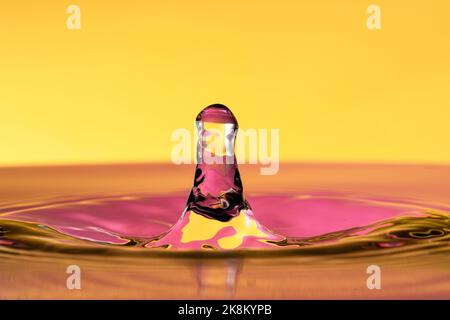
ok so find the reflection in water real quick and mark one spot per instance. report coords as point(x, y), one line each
point(222, 278)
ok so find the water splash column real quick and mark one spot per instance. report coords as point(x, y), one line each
point(216, 215)
point(217, 192)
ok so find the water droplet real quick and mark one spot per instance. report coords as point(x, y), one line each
point(217, 213)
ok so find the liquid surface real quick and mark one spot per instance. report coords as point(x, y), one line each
point(53, 217)
point(309, 223)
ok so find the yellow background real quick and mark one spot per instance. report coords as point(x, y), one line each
point(116, 89)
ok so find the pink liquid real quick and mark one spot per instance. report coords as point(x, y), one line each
point(55, 216)
point(121, 218)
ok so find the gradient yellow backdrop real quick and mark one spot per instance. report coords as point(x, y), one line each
point(116, 89)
